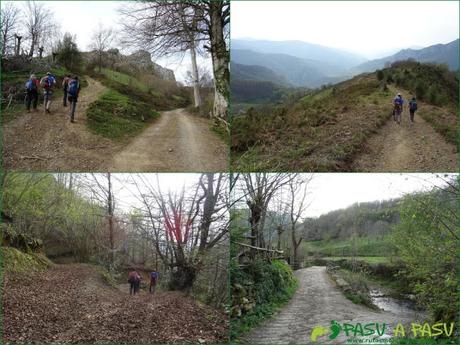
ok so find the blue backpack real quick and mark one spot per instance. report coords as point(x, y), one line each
point(73, 87)
point(413, 105)
point(30, 85)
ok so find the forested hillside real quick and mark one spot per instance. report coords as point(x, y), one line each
point(79, 228)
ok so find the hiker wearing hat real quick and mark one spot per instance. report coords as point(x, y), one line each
point(32, 93)
point(47, 82)
point(398, 102)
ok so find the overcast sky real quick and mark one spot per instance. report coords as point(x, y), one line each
point(81, 18)
point(326, 192)
point(333, 191)
point(370, 28)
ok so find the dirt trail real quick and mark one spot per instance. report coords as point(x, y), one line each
point(177, 142)
point(407, 147)
point(72, 304)
point(316, 302)
point(49, 142)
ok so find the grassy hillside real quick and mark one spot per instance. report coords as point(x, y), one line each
point(130, 105)
point(116, 116)
point(324, 130)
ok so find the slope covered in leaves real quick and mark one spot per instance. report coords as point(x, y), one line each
point(73, 304)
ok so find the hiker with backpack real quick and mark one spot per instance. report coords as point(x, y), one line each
point(47, 82)
point(153, 281)
point(398, 102)
point(32, 93)
point(73, 91)
point(134, 280)
point(65, 87)
point(412, 108)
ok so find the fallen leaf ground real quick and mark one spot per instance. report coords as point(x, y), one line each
point(72, 304)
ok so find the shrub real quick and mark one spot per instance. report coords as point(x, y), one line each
point(258, 290)
point(380, 75)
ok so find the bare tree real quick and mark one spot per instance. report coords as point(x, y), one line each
point(205, 79)
point(165, 28)
point(39, 25)
point(297, 203)
point(102, 39)
point(259, 189)
point(10, 19)
point(170, 27)
point(185, 226)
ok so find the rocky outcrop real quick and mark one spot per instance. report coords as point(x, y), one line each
point(139, 62)
point(142, 61)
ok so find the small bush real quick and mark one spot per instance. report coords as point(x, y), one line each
point(258, 290)
point(16, 261)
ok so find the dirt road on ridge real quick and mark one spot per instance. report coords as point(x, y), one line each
point(316, 302)
point(407, 147)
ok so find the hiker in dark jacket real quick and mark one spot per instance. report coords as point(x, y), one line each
point(47, 82)
point(65, 87)
point(412, 108)
point(73, 91)
point(134, 280)
point(32, 86)
point(153, 281)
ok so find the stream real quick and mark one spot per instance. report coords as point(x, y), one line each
point(395, 306)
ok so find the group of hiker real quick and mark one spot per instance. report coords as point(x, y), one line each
point(398, 103)
point(70, 86)
point(134, 280)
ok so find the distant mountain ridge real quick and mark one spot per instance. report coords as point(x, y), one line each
point(438, 53)
point(302, 64)
point(256, 73)
point(303, 50)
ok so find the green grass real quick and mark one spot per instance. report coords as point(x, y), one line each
point(363, 247)
point(367, 259)
point(440, 125)
point(118, 117)
point(16, 261)
point(125, 79)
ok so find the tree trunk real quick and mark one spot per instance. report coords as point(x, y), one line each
point(182, 277)
point(196, 77)
point(295, 246)
point(110, 214)
point(220, 61)
point(32, 46)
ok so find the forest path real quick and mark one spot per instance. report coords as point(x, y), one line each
point(38, 141)
point(316, 302)
point(177, 142)
point(72, 303)
point(407, 147)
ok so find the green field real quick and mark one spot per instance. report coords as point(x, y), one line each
point(362, 246)
point(367, 259)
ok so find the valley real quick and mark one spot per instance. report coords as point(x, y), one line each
point(333, 127)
